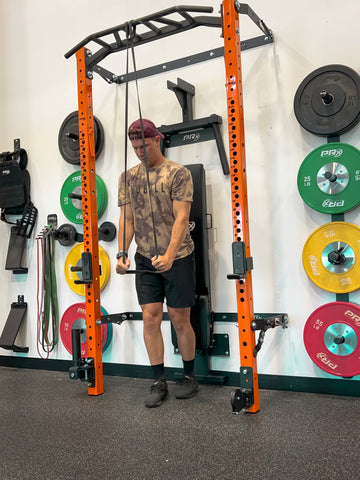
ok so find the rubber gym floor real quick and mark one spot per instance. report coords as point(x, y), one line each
point(52, 429)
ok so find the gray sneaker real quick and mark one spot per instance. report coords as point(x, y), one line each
point(187, 386)
point(158, 393)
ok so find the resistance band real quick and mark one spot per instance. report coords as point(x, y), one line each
point(47, 328)
point(144, 149)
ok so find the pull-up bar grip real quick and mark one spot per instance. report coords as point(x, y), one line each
point(127, 26)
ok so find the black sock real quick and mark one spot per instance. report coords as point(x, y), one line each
point(189, 367)
point(158, 371)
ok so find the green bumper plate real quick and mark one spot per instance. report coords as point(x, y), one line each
point(329, 178)
point(71, 207)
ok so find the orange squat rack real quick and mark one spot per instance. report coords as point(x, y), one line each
point(247, 397)
point(90, 224)
point(240, 213)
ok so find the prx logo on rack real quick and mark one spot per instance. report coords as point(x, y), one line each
point(192, 136)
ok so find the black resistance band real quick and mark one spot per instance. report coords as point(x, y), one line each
point(144, 149)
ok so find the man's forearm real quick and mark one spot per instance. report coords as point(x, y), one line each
point(178, 234)
point(128, 225)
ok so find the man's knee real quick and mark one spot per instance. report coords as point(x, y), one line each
point(152, 314)
point(180, 318)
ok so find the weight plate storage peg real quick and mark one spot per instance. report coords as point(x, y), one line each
point(73, 259)
point(327, 101)
point(332, 338)
point(75, 317)
point(107, 231)
point(68, 138)
point(72, 205)
point(66, 235)
point(329, 178)
point(331, 257)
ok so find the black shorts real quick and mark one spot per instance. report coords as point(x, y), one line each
point(176, 285)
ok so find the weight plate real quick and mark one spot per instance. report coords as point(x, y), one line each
point(72, 207)
point(75, 317)
point(329, 178)
point(102, 204)
point(327, 101)
point(73, 259)
point(68, 138)
point(109, 334)
point(100, 137)
point(332, 338)
point(331, 257)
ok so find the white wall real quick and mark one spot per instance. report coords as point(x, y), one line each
point(38, 90)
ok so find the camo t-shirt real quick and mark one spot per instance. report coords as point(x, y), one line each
point(170, 181)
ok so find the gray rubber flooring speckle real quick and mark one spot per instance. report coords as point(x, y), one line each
point(52, 429)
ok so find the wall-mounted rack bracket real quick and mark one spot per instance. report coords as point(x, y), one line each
point(118, 318)
point(192, 131)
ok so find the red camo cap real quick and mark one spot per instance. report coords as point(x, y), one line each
point(148, 127)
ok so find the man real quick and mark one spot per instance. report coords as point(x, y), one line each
point(159, 221)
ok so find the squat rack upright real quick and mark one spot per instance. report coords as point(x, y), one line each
point(157, 26)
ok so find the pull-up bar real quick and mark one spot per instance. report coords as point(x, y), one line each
point(155, 27)
point(154, 32)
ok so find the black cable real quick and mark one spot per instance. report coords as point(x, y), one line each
point(126, 140)
point(145, 156)
point(126, 152)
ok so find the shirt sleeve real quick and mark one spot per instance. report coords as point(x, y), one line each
point(182, 187)
point(123, 193)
